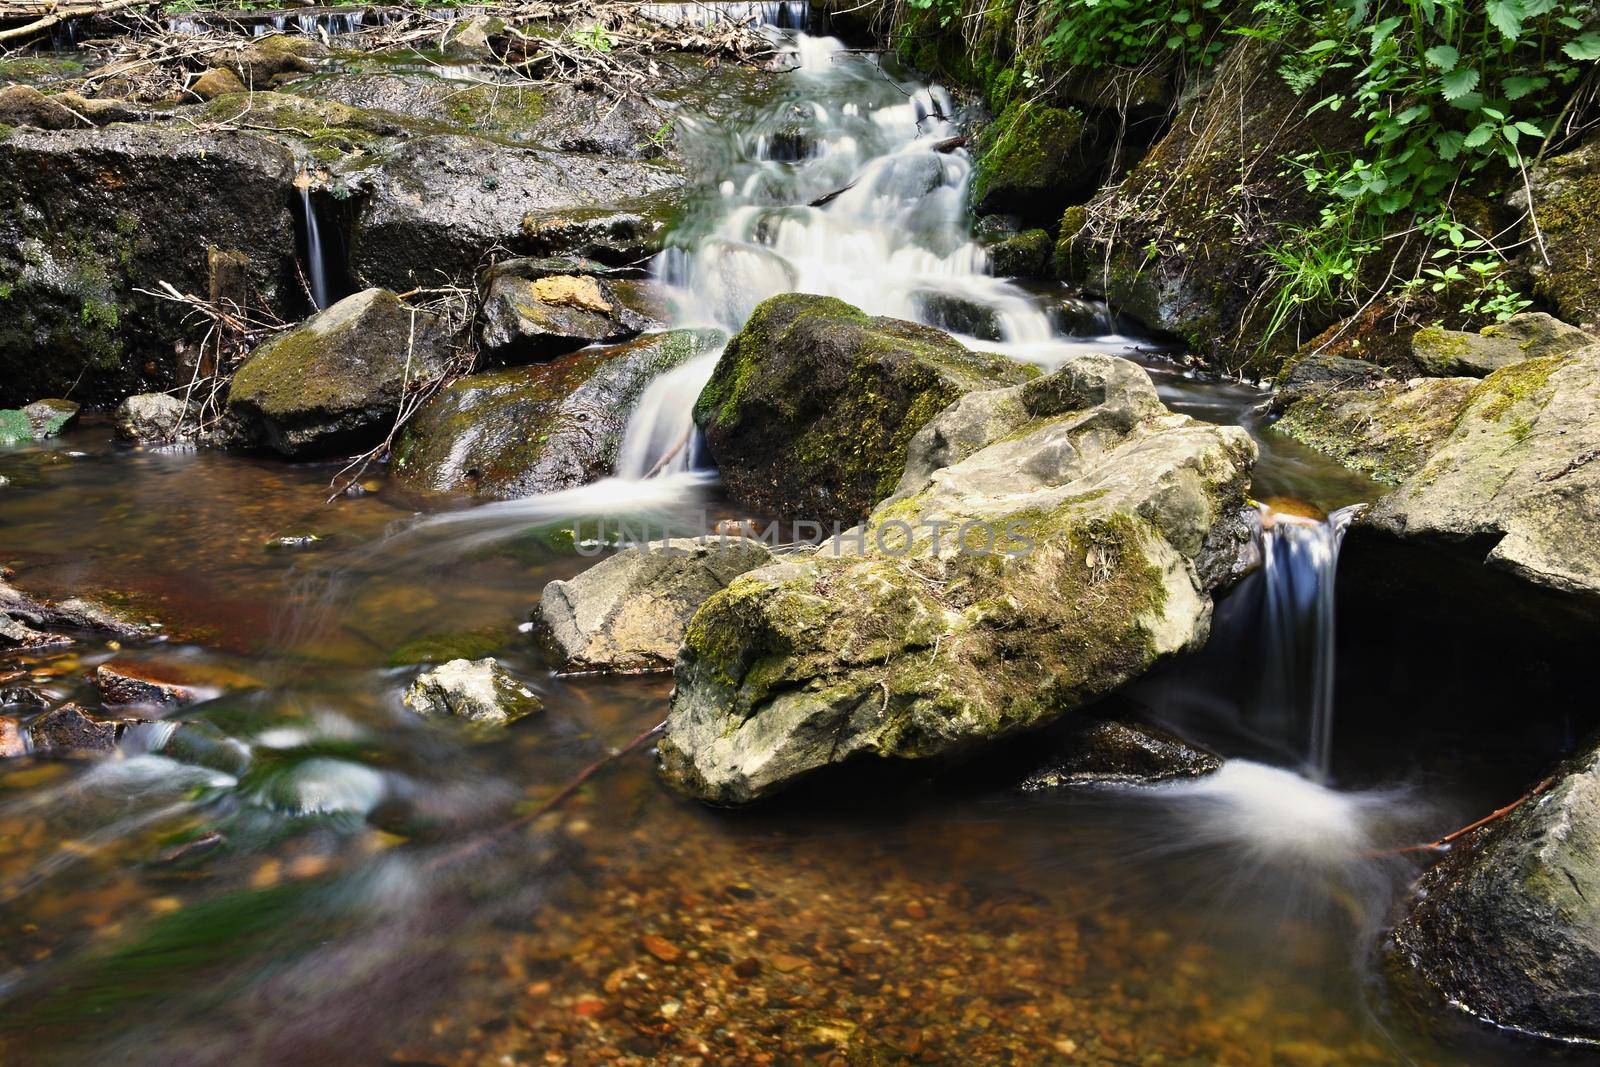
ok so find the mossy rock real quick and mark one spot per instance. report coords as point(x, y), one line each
point(1023, 255)
point(812, 404)
point(1386, 432)
point(1033, 161)
point(1566, 197)
point(38, 421)
point(338, 379)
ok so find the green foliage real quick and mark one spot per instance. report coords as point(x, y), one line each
point(1447, 90)
point(1093, 33)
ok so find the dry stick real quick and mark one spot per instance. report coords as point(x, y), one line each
point(64, 15)
point(555, 801)
point(1448, 839)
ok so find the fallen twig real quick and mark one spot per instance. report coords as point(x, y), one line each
point(1448, 839)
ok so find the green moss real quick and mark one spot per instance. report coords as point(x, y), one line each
point(1510, 386)
point(1387, 433)
point(1022, 152)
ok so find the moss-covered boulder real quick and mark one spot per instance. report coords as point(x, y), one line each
point(1455, 353)
point(1506, 927)
point(1043, 549)
point(1033, 161)
point(1566, 202)
point(1384, 429)
point(1021, 255)
point(337, 380)
point(811, 406)
point(538, 308)
point(37, 421)
point(93, 214)
point(536, 429)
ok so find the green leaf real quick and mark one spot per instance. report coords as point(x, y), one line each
point(1459, 83)
point(1411, 114)
point(1530, 129)
point(1321, 46)
point(1519, 86)
point(1479, 136)
point(1442, 56)
point(1506, 16)
point(1469, 103)
point(1583, 47)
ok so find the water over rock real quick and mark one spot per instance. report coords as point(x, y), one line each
point(536, 429)
point(1010, 581)
point(1506, 926)
point(628, 613)
point(338, 379)
point(480, 691)
point(102, 211)
point(537, 308)
point(812, 404)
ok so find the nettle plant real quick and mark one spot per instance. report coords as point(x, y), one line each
point(1449, 91)
point(1093, 33)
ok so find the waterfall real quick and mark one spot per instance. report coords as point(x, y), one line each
point(661, 437)
point(1299, 561)
point(315, 258)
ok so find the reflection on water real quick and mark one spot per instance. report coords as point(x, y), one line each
point(277, 874)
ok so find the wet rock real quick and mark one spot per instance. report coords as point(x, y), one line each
point(1316, 372)
point(18, 635)
point(532, 312)
point(613, 237)
point(957, 315)
point(105, 211)
point(1516, 481)
point(71, 730)
point(479, 691)
point(215, 82)
point(469, 38)
point(1455, 354)
point(337, 380)
point(1386, 430)
point(152, 418)
point(536, 429)
point(1022, 255)
point(300, 542)
point(432, 206)
point(628, 613)
point(125, 685)
point(811, 406)
point(13, 741)
point(22, 697)
point(1565, 189)
point(1504, 927)
point(1032, 161)
point(23, 105)
point(38, 421)
point(274, 58)
point(1090, 751)
point(1009, 582)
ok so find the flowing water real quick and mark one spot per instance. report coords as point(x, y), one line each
point(316, 257)
point(297, 870)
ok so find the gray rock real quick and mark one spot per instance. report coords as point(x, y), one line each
point(1320, 371)
point(536, 429)
point(1454, 354)
point(627, 614)
point(1560, 257)
point(103, 211)
point(1066, 561)
point(1384, 429)
point(811, 407)
point(434, 205)
point(530, 313)
point(75, 613)
point(152, 418)
point(1092, 751)
point(479, 691)
point(19, 635)
point(1506, 927)
point(69, 729)
point(337, 380)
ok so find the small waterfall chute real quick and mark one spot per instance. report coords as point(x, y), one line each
point(316, 259)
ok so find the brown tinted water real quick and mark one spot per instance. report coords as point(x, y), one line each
point(307, 874)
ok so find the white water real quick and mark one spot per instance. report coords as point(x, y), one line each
point(316, 260)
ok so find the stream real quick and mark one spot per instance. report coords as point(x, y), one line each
point(299, 870)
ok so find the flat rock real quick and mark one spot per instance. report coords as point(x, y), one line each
point(1453, 353)
point(628, 613)
point(480, 691)
point(529, 312)
point(1092, 751)
point(70, 729)
point(123, 685)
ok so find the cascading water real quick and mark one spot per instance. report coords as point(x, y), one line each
point(315, 258)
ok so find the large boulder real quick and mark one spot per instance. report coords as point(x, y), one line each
point(627, 614)
point(537, 308)
point(811, 407)
point(337, 380)
point(1506, 927)
point(431, 207)
point(1020, 572)
point(1565, 190)
point(1455, 353)
point(536, 429)
point(1033, 161)
point(93, 214)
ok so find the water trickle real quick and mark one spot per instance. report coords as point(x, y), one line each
point(1299, 560)
point(661, 436)
point(316, 260)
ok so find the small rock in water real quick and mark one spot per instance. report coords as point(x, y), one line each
point(4, 481)
point(1104, 751)
point(40, 420)
point(122, 685)
point(71, 729)
point(14, 634)
point(13, 742)
point(479, 691)
point(151, 418)
point(22, 697)
point(203, 845)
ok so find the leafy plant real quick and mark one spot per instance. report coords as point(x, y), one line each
point(1091, 33)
